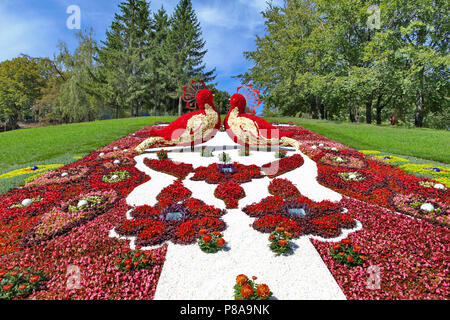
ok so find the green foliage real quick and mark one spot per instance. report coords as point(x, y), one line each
point(17, 283)
point(21, 81)
point(321, 59)
point(279, 242)
point(210, 243)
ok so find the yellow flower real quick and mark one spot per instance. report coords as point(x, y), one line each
point(431, 169)
point(369, 151)
point(27, 170)
point(391, 159)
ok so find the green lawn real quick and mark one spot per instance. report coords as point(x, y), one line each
point(26, 146)
point(420, 143)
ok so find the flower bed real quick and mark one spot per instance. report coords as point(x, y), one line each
point(411, 256)
point(241, 174)
point(299, 215)
point(176, 217)
point(73, 213)
point(176, 169)
point(60, 233)
point(13, 204)
point(343, 159)
point(230, 192)
point(279, 167)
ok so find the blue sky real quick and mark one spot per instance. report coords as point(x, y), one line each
point(229, 27)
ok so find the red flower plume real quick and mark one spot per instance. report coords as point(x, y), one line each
point(190, 93)
point(251, 95)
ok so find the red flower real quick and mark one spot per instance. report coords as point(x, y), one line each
point(263, 290)
point(22, 287)
point(336, 246)
point(346, 241)
point(349, 259)
point(207, 238)
point(271, 237)
point(128, 261)
point(7, 287)
point(254, 278)
point(357, 248)
point(246, 291)
point(34, 278)
point(241, 279)
point(138, 247)
point(341, 254)
point(202, 231)
point(282, 242)
point(279, 229)
point(220, 242)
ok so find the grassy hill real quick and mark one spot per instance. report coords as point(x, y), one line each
point(421, 143)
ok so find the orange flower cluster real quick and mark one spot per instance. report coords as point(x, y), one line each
point(246, 289)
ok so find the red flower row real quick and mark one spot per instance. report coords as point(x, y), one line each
point(230, 192)
point(283, 188)
point(281, 166)
point(177, 169)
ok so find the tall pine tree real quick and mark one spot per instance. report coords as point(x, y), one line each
point(186, 48)
point(123, 73)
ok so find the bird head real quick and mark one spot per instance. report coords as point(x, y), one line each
point(203, 97)
point(238, 101)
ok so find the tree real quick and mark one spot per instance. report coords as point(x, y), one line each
point(186, 51)
point(21, 81)
point(124, 77)
point(221, 100)
point(321, 58)
point(75, 103)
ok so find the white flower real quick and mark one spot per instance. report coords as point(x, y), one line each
point(115, 177)
point(352, 176)
point(101, 154)
point(339, 159)
point(321, 145)
point(27, 202)
point(334, 149)
point(116, 161)
point(64, 174)
point(427, 207)
point(439, 186)
point(115, 148)
point(82, 203)
point(314, 147)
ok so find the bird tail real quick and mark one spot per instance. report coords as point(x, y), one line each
point(148, 142)
point(286, 141)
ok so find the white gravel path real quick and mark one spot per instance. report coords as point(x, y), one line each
point(188, 273)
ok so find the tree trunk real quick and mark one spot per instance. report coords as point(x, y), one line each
point(319, 112)
point(351, 114)
point(418, 116)
point(180, 107)
point(369, 111)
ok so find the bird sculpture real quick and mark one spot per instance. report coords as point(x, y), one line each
point(192, 128)
point(249, 129)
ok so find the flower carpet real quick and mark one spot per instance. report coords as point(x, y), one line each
point(322, 222)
